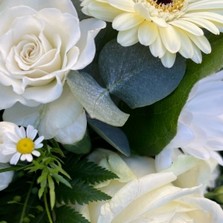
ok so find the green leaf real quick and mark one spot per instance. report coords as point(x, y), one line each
point(95, 99)
point(150, 129)
point(52, 191)
point(65, 214)
point(89, 172)
point(81, 193)
point(137, 77)
point(114, 136)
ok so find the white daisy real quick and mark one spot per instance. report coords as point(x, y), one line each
point(21, 144)
point(166, 26)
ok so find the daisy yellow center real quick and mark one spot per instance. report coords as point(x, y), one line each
point(25, 146)
point(167, 5)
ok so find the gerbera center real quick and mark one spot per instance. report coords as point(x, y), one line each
point(167, 5)
point(25, 146)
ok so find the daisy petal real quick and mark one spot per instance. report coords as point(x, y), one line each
point(15, 158)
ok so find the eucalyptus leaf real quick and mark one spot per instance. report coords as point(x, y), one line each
point(137, 77)
point(114, 136)
point(95, 99)
point(150, 129)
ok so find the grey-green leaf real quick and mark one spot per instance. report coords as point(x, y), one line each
point(135, 76)
point(95, 99)
point(114, 136)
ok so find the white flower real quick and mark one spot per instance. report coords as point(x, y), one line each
point(5, 177)
point(141, 194)
point(40, 42)
point(167, 27)
point(63, 119)
point(21, 144)
point(200, 124)
point(189, 170)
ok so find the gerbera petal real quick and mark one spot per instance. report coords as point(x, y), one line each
point(128, 37)
point(201, 42)
point(15, 158)
point(188, 26)
point(126, 21)
point(147, 33)
point(157, 49)
point(124, 5)
point(170, 39)
point(168, 59)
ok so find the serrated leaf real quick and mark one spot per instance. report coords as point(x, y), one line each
point(114, 136)
point(137, 77)
point(65, 214)
point(81, 193)
point(89, 172)
point(150, 129)
point(95, 99)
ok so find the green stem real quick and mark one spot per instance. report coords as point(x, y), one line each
point(26, 203)
point(47, 208)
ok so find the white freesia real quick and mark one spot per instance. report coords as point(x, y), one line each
point(141, 194)
point(40, 42)
point(5, 177)
point(167, 27)
point(200, 124)
point(63, 119)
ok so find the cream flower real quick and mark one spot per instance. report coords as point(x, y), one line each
point(141, 194)
point(166, 26)
point(40, 42)
point(63, 119)
point(21, 144)
point(200, 124)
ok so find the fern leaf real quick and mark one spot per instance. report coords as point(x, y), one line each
point(89, 172)
point(67, 214)
point(81, 193)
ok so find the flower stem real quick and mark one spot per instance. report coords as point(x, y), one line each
point(47, 208)
point(26, 203)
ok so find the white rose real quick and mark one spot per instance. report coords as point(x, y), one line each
point(189, 170)
point(143, 195)
point(5, 177)
point(40, 42)
point(63, 119)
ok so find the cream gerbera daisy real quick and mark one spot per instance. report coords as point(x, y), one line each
point(21, 144)
point(166, 26)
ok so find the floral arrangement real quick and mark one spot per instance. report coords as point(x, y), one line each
point(111, 111)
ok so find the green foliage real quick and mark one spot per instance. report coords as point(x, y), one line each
point(21, 201)
point(88, 172)
point(51, 171)
point(137, 77)
point(95, 99)
point(113, 135)
point(65, 214)
point(150, 129)
point(81, 193)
